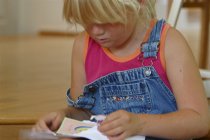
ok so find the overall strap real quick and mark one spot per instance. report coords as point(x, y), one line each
point(150, 48)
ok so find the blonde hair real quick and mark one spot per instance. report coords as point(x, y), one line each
point(85, 12)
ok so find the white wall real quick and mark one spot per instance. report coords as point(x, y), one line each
point(8, 16)
point(32, 16)
point(2, 9)
point(161, 8)
point(2, 13)
point(36, 15)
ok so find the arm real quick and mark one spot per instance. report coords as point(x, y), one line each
point(191, 119)
point(53, 120)
point(78, 78)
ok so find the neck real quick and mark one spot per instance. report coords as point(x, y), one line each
point(132, 43)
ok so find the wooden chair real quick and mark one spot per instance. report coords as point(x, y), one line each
point(204, 5)
point(173, 15)
point(175, 7)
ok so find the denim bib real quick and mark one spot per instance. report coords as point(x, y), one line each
point(138, 90)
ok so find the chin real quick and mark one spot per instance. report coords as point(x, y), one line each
point(105, 46)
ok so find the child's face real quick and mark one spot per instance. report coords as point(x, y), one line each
point(110, 35)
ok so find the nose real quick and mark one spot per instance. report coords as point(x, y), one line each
point(97, 29)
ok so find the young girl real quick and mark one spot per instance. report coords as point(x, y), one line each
point(135, 69)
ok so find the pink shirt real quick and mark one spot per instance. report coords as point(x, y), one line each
point(100, 61)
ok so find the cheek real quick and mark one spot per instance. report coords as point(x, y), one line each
point(120, 36)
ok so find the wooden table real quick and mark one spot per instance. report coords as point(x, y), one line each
point(34, 77)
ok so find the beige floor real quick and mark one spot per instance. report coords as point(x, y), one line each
point(35, 74)
point(34, 77)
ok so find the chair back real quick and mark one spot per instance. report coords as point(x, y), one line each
point(174, 12)
point(173, 15)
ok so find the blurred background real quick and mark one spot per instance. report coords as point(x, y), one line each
point(31, 17)
point(35, 58)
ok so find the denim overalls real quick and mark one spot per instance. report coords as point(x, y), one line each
point(138, 90)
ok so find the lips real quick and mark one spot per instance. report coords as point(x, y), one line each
point(102, 41)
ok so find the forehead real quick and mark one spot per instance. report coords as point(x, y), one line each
point(106, 25)
point(99, 11)
point(116, 28)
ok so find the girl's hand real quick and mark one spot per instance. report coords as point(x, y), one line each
point(50, 122)
point(120, 125)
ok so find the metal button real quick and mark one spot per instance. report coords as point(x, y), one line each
point(147, 72)
point(92, 89)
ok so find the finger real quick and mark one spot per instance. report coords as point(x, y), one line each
point(49, 122)
point(35, 128)
point(107, 126)
point(111, 117)
point(49, 118)
point(121, 136)
point(42, 126)
point(56, 123)
point(114, 132)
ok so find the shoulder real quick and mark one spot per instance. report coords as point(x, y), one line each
point(176, 45)
point(79, 45)
point(179, 58)
point(181, 66)
point(175, 37)
point(79, 41)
